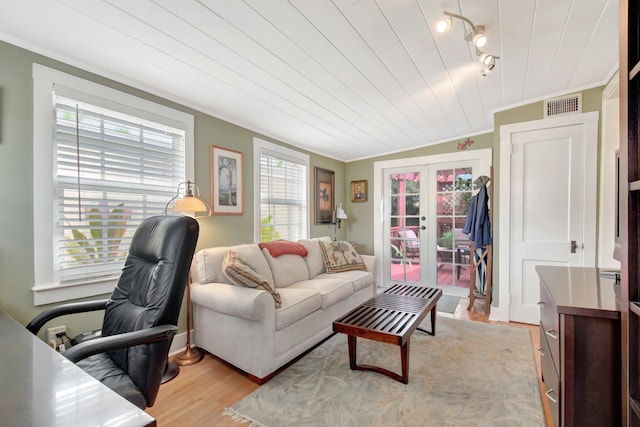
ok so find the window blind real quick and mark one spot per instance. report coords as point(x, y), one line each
point(283, 197)
point(112, 170)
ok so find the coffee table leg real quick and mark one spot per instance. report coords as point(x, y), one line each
point(433, 320)
point(351, 339)
point(433, 323)
point(404, 356)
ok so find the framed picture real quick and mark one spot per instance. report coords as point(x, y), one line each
point(324, 195)
point(359, 191)
point(226, 181)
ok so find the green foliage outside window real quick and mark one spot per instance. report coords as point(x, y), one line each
point(268, 232)
point(96, 246)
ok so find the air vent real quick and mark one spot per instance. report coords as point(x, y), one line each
point(571, 104)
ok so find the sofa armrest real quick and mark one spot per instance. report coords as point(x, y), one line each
point(369, 262)
point(247, 303)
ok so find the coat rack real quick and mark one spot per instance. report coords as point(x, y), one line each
point(487, 255)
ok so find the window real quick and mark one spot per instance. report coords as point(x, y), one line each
point(103, 161)
point(281, 192)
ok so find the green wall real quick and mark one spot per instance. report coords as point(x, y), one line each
point(16, 171)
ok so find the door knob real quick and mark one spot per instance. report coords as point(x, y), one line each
point(422, 227)
point(423, 218)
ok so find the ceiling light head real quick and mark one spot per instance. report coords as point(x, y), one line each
point(444, 23)
point(477, 36)
point(487, 59)
point(488, 62)
point(486, 70)
point(479, 39)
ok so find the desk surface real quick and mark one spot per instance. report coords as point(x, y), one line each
point(39, 387)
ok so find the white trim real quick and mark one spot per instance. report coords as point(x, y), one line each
point(484, 156)
point(293, 155)
point(45, 289)
point(590, 120)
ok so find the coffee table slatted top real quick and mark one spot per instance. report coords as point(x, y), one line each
point(384, 318)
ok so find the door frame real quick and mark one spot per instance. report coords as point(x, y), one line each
point(590, 121)
point(484, 156)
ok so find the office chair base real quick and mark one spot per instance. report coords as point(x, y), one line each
point(171, 371)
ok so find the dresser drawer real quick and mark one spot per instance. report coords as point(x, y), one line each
point(550, 377)
point(549, 322)
point(548, 309)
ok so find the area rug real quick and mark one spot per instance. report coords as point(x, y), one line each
point(448, 304)
point(469, 374)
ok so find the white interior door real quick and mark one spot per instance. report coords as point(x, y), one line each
point(552, 208)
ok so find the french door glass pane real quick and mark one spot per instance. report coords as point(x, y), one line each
point(405, 227)
point(454, 190)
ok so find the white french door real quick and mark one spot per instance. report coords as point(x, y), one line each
point(405, 224)
point(426, 207)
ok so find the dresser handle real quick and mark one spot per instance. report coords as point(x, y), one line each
point(541, 303)
point(552, 333)
point(548, 394)
point(540, 352)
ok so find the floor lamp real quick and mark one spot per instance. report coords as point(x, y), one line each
point(188, 203)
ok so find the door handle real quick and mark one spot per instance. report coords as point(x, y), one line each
point(422, 227)
point(574, 246)
point(549, 393)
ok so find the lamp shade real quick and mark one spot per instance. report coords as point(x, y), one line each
point(189, 204)
point(340, 213)
point(187, 200)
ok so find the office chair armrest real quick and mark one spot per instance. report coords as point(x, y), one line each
point(115, 342)
point(75, 307)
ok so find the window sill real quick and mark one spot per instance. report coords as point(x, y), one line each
point(44, 294)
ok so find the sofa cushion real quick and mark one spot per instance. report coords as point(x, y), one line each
point(296, 304)
point(241, 273)
point(314, 260)
point(358, 279)
point(340, 256)
point(286, 269)
point(331, 289)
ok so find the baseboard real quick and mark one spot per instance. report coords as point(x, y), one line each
point(499, 314)
point(179, 343)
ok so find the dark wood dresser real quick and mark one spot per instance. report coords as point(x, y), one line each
point(580, 345)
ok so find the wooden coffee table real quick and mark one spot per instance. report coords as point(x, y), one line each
point(390, 317)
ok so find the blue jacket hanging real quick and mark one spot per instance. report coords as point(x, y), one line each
point(478, 224)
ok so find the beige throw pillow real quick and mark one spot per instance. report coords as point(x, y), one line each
point(340, 256)
point(240, 273)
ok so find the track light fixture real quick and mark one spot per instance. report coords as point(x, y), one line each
point(475, 35)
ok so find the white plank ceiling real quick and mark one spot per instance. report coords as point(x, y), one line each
point(348, 79)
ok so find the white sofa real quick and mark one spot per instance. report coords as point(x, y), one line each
point(242, 325)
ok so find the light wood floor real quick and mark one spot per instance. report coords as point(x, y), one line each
point(199, 394)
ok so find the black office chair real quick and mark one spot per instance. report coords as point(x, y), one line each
point(141, 316)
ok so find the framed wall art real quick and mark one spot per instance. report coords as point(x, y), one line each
point(359, 190)
point(226, 181)
point(324, 195)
